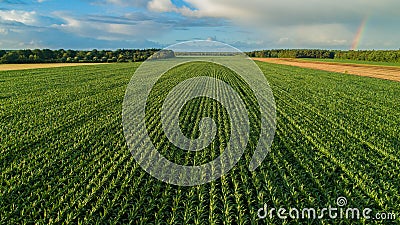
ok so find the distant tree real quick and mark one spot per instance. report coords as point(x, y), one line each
point(2, 52)
point(10, 57)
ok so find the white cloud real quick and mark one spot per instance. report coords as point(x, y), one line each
point(313, 35)
point(25, 17)
point(290, 22)
point(161, 6)
point(167, 6)
point(121, 28)
point(267, 23)
point(134, 3)
point(282, 10)
point(203, 8)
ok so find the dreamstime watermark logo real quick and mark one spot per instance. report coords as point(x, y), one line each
point(341, 201)
point(148, 74)
point(340, 211)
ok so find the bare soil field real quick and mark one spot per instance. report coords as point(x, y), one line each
point(382, 72)
point(4, 67)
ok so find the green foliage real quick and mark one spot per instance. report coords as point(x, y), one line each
point(195, 110)
point(138, 55)
point(360, 55)
point(64, 159)
point(293, 53)
point(374, 55)
point(72, 56)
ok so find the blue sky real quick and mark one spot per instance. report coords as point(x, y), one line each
point(247, 25)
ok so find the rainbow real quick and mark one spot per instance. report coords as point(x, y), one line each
point(359, 34)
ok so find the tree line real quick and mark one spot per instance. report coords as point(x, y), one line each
point(73, 56)
point(293, 53)
point(138, 55)
point(364, 55)
point(373, 55)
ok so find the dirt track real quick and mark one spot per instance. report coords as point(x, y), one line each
point(382, 72)
point(4, 67)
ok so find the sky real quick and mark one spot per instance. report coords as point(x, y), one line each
point(244, 24)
